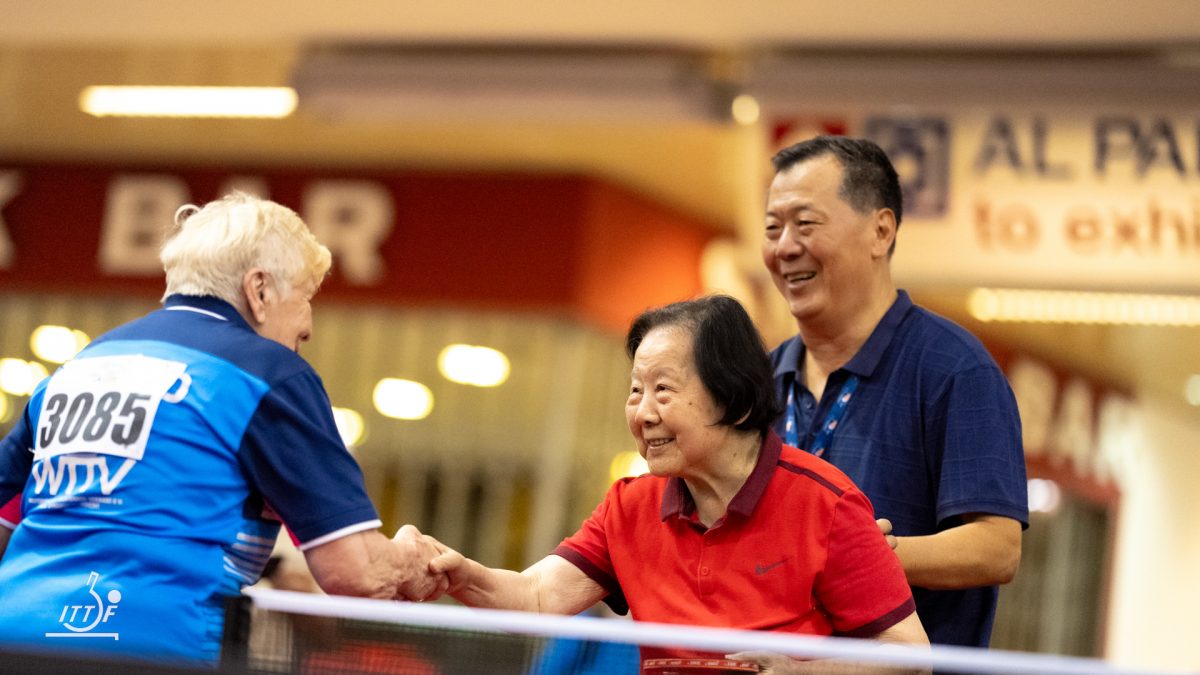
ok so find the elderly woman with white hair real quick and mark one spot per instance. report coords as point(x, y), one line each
point(198, 427)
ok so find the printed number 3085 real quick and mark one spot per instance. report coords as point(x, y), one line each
point(68, 417)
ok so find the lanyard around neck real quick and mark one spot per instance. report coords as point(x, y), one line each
point(825, 436)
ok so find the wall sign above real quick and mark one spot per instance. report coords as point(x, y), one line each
point(1062, 199)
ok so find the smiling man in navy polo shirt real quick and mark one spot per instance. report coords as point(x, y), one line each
point(908, 404)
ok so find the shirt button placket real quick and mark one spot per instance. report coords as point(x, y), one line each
point(704, 578)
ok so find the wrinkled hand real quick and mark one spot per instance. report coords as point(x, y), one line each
point(454, 565)
point(416, 550)
point(885, 526)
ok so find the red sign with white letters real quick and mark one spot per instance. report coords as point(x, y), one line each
point(496, 240)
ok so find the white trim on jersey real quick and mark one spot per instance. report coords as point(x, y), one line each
point(338, 534)
point(197, 310)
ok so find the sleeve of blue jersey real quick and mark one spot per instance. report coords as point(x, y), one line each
point(295, 457)
point(16, 459)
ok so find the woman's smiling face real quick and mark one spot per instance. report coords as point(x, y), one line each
point(670, 412)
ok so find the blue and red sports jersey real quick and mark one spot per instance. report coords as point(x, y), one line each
point(146, 465)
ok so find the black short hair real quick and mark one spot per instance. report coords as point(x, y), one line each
point(729, 353)
point(869, 181)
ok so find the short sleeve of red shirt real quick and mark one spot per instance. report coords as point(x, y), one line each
point(862, 586)
point(587, 549)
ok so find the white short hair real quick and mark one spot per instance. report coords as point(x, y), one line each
point(213, 247)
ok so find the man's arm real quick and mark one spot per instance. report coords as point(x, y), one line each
point(984, 551)
point(5, 533)
point(368, 564)
point(551, 585)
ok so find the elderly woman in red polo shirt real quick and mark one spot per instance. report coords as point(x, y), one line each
point(730, 527)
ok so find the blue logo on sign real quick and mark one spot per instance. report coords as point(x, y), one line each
point(919, 147)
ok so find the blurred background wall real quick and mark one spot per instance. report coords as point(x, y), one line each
point(527, 176)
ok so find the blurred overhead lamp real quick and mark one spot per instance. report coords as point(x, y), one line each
point(1191, 389)
point(402, 399)
point(1042, 306)
point(57, 344)
point(745, 109)
point(626, 464)
point(547, 85)
point(120, 101)
point(1044, 495)
point(478, 366)
point(19, 377)
point(350, 426)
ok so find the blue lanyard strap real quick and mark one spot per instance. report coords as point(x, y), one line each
point(830, 425)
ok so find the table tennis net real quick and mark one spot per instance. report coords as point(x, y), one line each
point(282, 631)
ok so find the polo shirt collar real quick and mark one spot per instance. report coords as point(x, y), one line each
point(677, 501)
point(789, 360)
point(869, 355)
point(205, 304)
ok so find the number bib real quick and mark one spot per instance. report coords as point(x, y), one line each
point(106, 405)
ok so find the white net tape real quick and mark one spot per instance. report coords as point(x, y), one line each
point(718, 640)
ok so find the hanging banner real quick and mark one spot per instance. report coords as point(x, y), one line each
point(1105, 200)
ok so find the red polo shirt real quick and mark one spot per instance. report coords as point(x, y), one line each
point(797, 551)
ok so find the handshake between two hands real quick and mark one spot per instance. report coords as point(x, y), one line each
point(429, 569)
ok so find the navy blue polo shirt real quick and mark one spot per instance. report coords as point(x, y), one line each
point(930, 434)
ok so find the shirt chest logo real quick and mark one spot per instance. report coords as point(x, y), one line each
point(763, 569)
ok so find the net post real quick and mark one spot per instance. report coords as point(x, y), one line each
point(235, 637)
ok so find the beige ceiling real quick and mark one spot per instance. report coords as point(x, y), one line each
point(50, 49)
point(707, 23)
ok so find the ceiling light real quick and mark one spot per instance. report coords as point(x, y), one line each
point(478, 366)
point(1191, 390)
point(269, 102)
point(402, 399)
point(350, 426)
point(19, 377)
point(745, 110)
point(544, 84)
point(1044, 495)
point(627, 464)
point(57, 344)
point(1042, 306)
